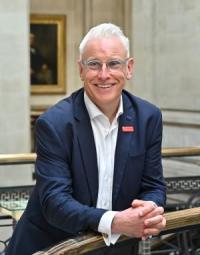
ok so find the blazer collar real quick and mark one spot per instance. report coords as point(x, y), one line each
point(87, 144)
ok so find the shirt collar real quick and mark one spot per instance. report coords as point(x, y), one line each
point(94, 111)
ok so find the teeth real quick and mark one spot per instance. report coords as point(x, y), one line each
point(104, 85)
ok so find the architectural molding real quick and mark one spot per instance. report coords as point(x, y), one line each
point(183, 118)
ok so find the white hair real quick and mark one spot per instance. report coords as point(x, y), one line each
point(104, 30)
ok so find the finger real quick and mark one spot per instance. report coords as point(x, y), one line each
point(137, 203)
point(144, 238)
point(163, 223)
point(156, 229)
point(145, 210)
point(158, 211)
point(153, 221)
point(151, 232)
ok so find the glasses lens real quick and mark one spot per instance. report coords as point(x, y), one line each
point(115, 65)
point(94, 65)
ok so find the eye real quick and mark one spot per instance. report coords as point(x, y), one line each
point(114, 64)
point(94, 65)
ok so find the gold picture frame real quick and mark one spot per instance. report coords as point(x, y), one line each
point(47, 54)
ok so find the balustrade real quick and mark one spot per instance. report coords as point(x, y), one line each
point(178, 220)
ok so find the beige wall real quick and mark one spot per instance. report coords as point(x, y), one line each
point(166, 50)
point(14, 77)
point(14, 88)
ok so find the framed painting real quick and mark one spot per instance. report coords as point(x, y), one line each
point(47, 54)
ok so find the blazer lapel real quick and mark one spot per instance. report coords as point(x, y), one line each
point(87, 146)
point(126, 133)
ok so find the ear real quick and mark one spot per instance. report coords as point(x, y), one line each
point(81, 70)
point(129, 68)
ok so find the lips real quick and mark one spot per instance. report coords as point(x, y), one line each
point(104, 86)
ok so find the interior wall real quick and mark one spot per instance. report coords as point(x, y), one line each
point(166, 50)
point(14, 89)
point(14, 77)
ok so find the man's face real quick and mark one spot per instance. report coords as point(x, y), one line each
point(104, 85)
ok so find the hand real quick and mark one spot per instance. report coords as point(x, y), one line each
point(154, 220)
point(130, 222)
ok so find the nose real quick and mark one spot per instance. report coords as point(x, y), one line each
point(104, 72)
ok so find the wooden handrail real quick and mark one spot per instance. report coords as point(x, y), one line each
point(182, 218)
point(24, 158)
point(180, 151)
point(89, 242)
point(19, 158)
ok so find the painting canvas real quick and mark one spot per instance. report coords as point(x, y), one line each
point(47, 54)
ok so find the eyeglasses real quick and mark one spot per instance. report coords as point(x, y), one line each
point(112, 65)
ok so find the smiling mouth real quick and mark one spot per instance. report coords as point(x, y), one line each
point(104, 86)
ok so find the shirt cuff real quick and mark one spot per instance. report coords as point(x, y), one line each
point(105, 228)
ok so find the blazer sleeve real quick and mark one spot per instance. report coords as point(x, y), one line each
point(153, 184)
point(55, 182)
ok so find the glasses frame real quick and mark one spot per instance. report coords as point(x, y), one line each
point(108, 67)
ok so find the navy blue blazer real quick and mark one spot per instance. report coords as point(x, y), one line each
point(63, 202)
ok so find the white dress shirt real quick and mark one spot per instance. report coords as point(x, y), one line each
point(105, 136)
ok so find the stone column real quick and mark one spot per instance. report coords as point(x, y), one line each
point(14, 86)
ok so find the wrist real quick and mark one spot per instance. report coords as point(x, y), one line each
point(115, 226)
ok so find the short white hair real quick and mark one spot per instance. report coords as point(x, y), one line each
point(105, 30)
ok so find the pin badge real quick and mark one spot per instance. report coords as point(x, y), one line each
point(128, 129)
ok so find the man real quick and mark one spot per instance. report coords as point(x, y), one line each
point(98, 161)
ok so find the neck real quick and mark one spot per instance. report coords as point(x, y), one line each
point(110, 110)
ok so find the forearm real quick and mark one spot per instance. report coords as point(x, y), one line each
point(69, 215)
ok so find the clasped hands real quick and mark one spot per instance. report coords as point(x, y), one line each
point(141, 220)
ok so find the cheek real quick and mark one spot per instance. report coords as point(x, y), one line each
point(122, 79)
point(88, 77)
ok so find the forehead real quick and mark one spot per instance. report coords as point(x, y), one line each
point(104, 48)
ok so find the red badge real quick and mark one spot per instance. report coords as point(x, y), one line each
point(128, 129)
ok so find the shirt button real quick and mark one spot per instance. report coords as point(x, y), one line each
point(105, 204)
